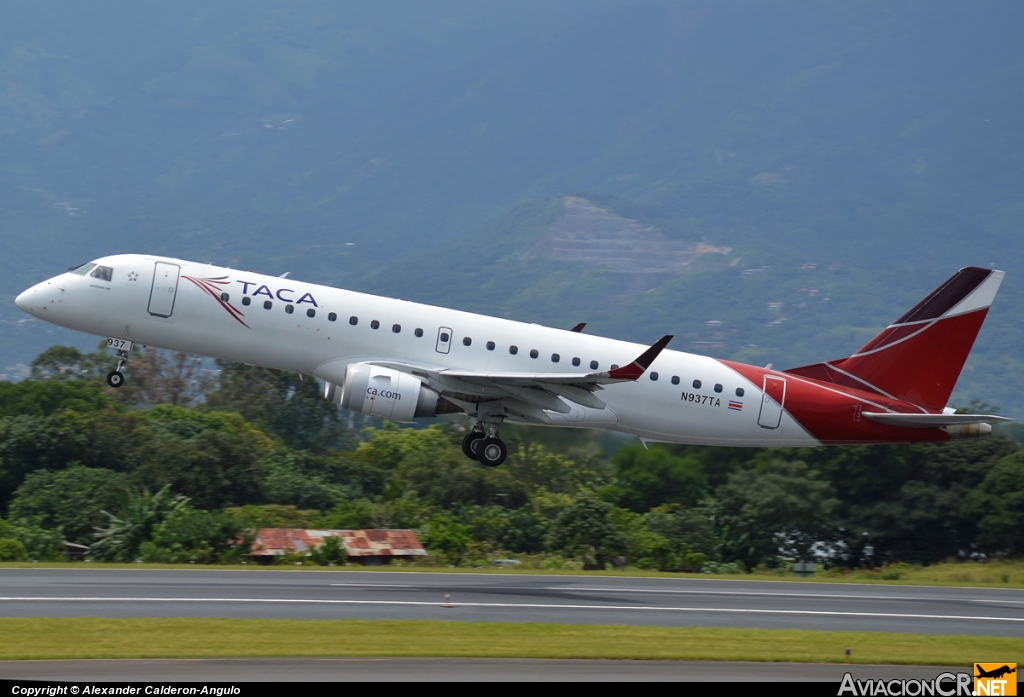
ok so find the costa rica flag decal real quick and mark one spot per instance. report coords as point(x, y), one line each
point(736, 406)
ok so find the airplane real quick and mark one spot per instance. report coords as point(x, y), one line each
point(994, 673)
point(402, 360)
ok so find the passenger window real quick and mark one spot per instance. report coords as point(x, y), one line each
point(246, 300)
point(490, 345)
point(614, 366)
point(654, 376)
point(593, 365)
point(374, 324)
point(444, 337)
point(466, 341)
point(675, 379)
point(718, 388)
point(534, 353)
point(696, 384)
point(396, 328)
point(513, 350)
point(555, 358)
point(267, 304)
point(739, 391)
point(576, 361)
point(353, 321)
point(332, 316)
point(310, 312)
point(288, 309)
point(418, 332)
point(225, 297)
point(104, 273)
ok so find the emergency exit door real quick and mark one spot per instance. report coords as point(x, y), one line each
point(772, 400)
point(164, 289)
point(444, 340)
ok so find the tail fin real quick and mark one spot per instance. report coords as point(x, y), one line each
point(919, 357)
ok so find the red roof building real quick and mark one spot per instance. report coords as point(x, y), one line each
point(369, 547)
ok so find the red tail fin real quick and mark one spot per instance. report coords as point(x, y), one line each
point(919, 357)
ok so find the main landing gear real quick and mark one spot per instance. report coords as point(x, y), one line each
point(486, 448)
point(115, 378)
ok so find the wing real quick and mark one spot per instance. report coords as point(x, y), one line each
point(530, 394)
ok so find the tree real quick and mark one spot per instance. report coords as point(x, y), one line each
point(71, 500)
point(213, 458)
point(778, 511)
point(175, 378)
point(584, 528)
point(330, 553)
point(998, 506)
point(139, 514)
point(536, 466)
point(430, 462)
point(446, 534)
point(68, 363)
point(41, 398)
point(692, 528)
point(351, 515)
point(648, 478)
point(275, 516)
point(906, 503)
point(30, 443)
point(12, 550)
point(282, 403)
point(188, 535)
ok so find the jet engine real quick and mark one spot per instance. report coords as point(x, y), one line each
point(387, 394)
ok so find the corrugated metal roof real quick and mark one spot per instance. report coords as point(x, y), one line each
point(357, 543)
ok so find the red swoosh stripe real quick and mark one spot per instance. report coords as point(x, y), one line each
point(210, 286)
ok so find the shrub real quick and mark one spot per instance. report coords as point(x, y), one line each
point(12, 550)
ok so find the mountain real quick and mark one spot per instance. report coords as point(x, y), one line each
point(486, 155)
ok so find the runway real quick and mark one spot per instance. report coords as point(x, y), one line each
point(390, 670)
point(91, 591)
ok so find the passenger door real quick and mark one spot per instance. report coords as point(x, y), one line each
point(164, 289)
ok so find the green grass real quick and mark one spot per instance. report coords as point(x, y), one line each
point(90, 637)
point(991, 574)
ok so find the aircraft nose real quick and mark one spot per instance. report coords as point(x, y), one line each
point(24, 301)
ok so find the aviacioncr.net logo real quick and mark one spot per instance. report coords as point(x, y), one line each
point(943, 685)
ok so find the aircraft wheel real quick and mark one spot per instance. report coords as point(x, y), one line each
point(471, 444)
point(492, 451)
point(115, 378)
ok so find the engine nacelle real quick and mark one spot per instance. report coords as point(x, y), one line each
point(386, 394)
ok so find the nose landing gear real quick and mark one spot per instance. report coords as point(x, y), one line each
point(115, 378)
point(487, 448)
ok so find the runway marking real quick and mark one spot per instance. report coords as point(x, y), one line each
point(377, 585)
point(532, 606)
point(678, 592)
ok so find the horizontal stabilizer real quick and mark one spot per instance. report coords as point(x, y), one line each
point(933, 420)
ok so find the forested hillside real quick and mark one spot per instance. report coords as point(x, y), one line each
point(181, 468)
point(864, 151)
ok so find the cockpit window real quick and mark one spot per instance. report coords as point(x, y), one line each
point(103, 273)
point(82, 269)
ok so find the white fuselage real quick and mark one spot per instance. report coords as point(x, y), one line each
point(655, 407)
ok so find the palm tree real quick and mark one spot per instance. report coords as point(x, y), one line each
point(140, 513)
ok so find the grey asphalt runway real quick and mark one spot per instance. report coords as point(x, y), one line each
point(91, 591)
point(389, 670)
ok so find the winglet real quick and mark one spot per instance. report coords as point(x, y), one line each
point(634, 370)
point(579, 327)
